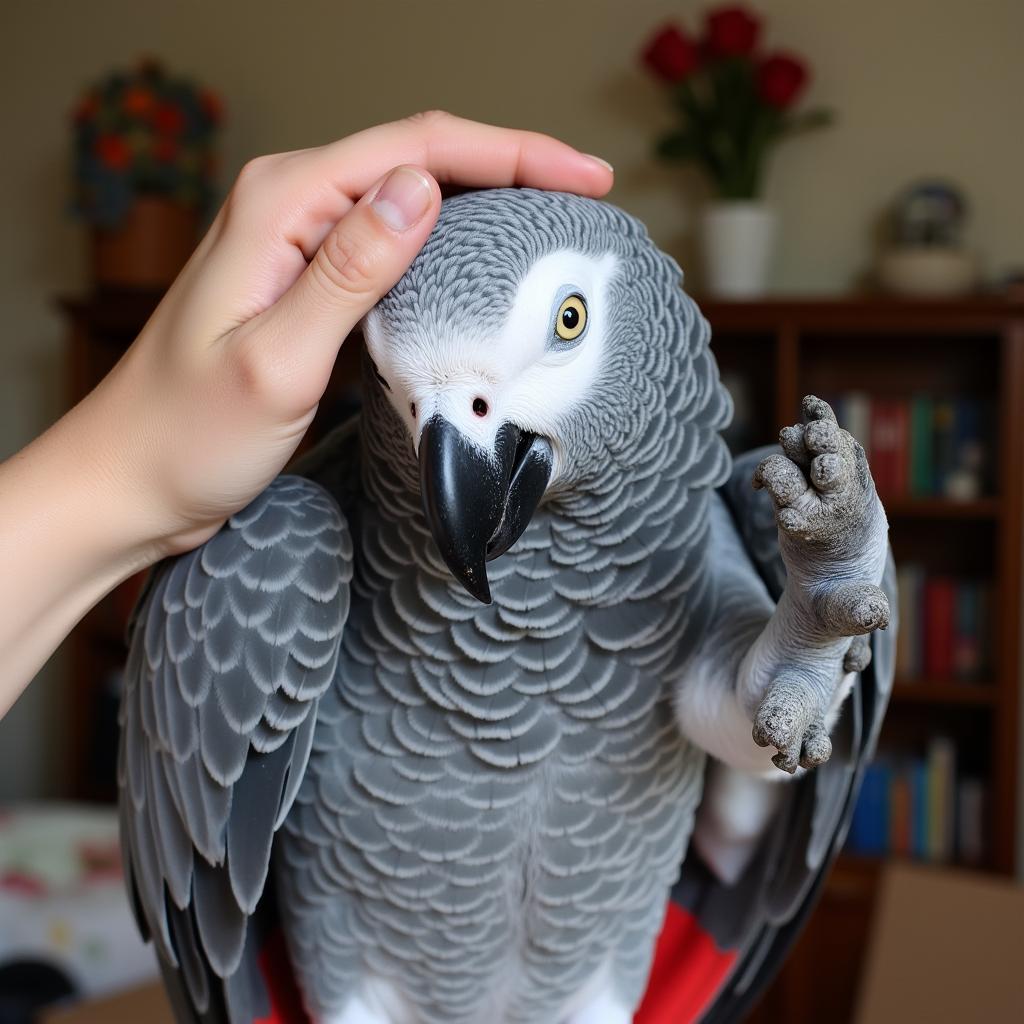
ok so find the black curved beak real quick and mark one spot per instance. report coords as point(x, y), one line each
point(478, 504)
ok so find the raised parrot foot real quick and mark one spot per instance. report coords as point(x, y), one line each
point(832, 535)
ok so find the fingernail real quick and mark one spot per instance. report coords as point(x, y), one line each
point(597, 160)
point(403, 199)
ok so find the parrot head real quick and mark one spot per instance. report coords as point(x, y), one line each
point(527, 354)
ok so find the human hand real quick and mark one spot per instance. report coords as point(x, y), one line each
point(215, 394)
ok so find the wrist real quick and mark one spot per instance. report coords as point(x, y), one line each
point(66, 540)
point(84, 467)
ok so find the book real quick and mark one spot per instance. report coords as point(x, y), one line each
point(970, 822)
point(869, 827)
point(900, 813)
point(967, 631)
point(900, 426)
point(941, 799)
point(856, 418)
point(963, 477)
point(920, 824)
point(939, 617)
point(922, 473)
point(910, 634)
point(943, 443)
point(889, 429)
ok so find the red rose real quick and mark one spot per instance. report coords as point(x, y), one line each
point(780, 80)
point(211, 106)
point(671, 54)
point(165, 149)
point(113, 151)
point(731, 32)
point(169, 120)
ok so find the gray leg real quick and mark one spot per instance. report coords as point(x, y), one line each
point(832, 535)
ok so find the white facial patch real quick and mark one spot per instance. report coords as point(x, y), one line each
point(510, 370)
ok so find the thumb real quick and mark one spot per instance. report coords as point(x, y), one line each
point(359, 261)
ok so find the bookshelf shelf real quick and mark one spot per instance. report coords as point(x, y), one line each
point(947, 377)
point(940, 692)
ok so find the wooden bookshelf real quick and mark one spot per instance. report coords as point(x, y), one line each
point(891, 349)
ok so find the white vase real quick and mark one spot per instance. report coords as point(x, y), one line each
point(737, 238)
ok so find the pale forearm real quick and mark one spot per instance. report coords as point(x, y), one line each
point(67, 537)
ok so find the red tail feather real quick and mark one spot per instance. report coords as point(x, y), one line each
point(276, 968)
point(688, 971)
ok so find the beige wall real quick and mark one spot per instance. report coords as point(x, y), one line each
point(920, 86)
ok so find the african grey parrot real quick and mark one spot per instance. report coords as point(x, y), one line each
point(450, 704)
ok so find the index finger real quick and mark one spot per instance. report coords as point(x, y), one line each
point(298, 197)
point(461, 152)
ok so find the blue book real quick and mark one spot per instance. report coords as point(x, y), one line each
point(861, 827)
point(882, 816)
point(869, 829)
point(963, 475)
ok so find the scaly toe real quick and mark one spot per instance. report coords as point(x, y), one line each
point(817, 747)
point(783, 715)
point(851, 608)
point(787, 761)
point(792, 521)
point(871, 612)
point(858, 656)
point(791, 440)
point(822, 436)
point(817, 409)
point(781, 478)
point(828, 472)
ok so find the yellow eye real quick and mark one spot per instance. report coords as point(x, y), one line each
point(571, 319)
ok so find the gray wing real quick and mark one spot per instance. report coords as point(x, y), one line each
point(762, 914)
point(231, 647)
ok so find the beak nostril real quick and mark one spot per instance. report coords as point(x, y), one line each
point(412, 409)
point(479, 407)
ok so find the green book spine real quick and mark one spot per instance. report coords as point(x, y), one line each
point(922, 471)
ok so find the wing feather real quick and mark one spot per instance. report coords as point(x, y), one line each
point(231, 647)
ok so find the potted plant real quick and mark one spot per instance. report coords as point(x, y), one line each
point(735, 103)
point(143, 172)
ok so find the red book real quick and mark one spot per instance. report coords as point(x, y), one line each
point(890, 446)
point(900, 815)
point(879, 447)
point(939, 626)
point(900, 426)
